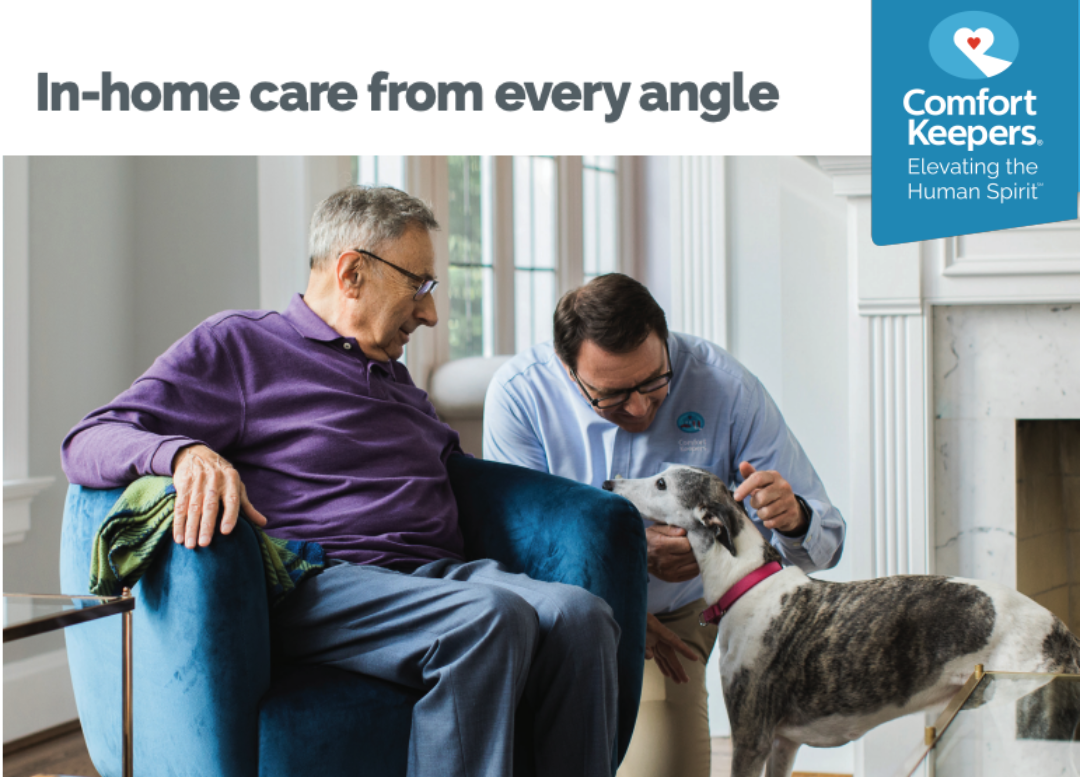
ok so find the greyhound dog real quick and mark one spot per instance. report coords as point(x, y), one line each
point(804, 661)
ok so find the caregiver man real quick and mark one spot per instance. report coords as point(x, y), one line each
point(616, 394)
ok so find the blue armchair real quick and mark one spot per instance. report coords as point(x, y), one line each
point(209, 698)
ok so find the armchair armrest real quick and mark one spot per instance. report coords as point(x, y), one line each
point(200, 647)
point(554, 529)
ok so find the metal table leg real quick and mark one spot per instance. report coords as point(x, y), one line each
point(128, 740)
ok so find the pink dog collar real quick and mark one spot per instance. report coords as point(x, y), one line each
point(718, 610)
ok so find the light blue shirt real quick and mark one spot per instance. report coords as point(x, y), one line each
point(715, 416)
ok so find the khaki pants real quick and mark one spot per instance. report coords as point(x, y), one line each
point(671, 738)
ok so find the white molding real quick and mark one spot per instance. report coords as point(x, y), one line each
point(18, 494)
point(37, 694)
point(898, 516)
point(1014, 267)
point(699, 260)
point(911, 306)
point(851, 175)
point(888, 361)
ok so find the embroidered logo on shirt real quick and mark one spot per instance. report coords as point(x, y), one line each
point(690, 422)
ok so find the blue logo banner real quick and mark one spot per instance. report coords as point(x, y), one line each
point(976, 117)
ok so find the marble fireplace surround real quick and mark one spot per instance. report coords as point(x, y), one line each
point(909, 306)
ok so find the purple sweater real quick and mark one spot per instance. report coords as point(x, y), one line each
point(332, 446)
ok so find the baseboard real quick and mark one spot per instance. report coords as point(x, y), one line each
point(17, 745)
point(37, 695)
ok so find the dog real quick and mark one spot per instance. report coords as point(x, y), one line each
point(805, 661)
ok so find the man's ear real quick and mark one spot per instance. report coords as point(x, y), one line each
point(718, 521)
point(349, 273)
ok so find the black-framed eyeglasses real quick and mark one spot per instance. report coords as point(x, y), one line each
point(427, 285)
point(622, 396)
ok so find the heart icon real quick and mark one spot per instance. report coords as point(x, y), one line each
point(973, 42)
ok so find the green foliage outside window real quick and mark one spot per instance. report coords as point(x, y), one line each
point(467, 270)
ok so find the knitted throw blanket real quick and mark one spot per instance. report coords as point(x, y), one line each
point(141, 521)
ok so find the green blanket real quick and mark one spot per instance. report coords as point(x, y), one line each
point(141, 521)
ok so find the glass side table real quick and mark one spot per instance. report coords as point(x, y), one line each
point(28, 614)
point(1002, 724)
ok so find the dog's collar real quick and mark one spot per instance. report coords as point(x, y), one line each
point(718, 610)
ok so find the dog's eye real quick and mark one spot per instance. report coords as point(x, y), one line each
point(661, 484)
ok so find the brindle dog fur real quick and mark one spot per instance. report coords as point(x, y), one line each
point(804, 661)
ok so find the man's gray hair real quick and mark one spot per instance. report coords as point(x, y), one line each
point(364, 217)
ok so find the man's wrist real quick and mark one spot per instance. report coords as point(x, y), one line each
point(804, 508)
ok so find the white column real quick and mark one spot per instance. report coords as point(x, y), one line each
point(889, 520)
point(699, 271)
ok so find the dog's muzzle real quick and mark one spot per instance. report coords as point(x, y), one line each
point(608, 485)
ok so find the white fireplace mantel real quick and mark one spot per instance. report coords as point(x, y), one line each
point(892, 291)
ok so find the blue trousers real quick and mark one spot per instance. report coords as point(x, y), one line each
point(477, 640)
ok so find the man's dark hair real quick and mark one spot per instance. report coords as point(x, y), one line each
point(613, 311)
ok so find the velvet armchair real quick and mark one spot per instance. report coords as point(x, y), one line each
point(209, 697)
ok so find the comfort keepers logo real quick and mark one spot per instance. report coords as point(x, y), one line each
point(961, 45)
point(971, 134)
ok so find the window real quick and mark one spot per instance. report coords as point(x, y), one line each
point(599, 186)
point(380, 171)
point(535, 235)
point(472, 274)
point(517, 233)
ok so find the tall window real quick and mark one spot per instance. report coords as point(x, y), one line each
point(599, 192)
point(535, 239)
point(472, 275)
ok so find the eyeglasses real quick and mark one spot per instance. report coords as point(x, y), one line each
point(621, 396)
point(427, 285)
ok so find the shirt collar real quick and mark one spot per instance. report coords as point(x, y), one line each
point(305, 321)
point(308, 324)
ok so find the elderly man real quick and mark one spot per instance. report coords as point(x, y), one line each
point(305, 422)
point(615, 395)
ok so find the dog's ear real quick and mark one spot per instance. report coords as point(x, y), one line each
point(717, 520)
point(721, 515)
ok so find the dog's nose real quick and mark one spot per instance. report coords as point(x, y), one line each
point(608, 485)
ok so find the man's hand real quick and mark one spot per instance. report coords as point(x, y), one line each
point(773, 499)
point(203, 480)
point(670, 557)
point(661, 645)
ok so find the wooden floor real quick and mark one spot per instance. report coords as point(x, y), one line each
point(65, 753)
point(58, 751)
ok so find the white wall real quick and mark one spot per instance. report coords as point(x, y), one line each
point(789, 306)
point(126, 255)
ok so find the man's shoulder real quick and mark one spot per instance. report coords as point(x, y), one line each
point(235, 331)
point(705, 357)
point(530, 368)
point(238, 319)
